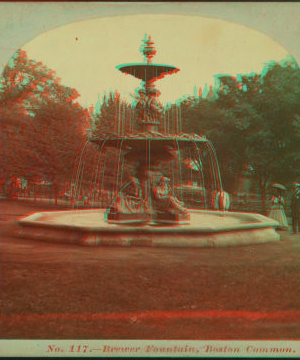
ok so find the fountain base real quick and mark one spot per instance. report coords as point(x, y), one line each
point(205, 229)
point(124, 218)
point(167, 218)
point(134, 218)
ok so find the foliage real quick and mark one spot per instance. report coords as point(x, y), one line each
point(30, 84)
point(254, 122)
point(115, 116)
point(60, 134)
point(42, 127)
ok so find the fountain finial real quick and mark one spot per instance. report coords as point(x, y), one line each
point(147, 49)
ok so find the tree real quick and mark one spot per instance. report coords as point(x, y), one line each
point(226, 128)
point(271, 144)
point(15, 128)
point(253, 123)
point(274, 147)
point(115, 116)
point(42, 127)
point(59, 131)
point(28, 84)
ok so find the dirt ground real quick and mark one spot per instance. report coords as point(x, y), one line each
point(60, 291)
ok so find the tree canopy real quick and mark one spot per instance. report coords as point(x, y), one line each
point(115, 116)
point(254, 122)
point(42, 127)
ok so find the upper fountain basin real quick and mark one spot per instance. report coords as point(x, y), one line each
point(147, 71)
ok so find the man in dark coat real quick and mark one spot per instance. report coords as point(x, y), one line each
point(295, 207)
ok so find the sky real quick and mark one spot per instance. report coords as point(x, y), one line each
point(85, 54)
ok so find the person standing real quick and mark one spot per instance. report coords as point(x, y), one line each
point(295, 208)
point(277, 210)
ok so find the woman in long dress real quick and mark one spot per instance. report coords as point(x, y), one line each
point(277, 211)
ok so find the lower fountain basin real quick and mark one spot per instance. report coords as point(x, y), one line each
point(206, 229)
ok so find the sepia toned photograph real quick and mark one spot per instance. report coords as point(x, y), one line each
point(149, 179)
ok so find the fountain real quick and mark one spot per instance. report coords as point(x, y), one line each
point(167, 187)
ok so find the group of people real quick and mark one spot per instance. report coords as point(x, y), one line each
point(277, 208)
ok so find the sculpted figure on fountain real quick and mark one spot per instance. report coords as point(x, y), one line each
point(165, 200)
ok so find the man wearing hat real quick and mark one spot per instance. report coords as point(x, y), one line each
point(295, 207)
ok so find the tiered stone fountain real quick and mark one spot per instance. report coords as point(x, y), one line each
point(149, 209)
